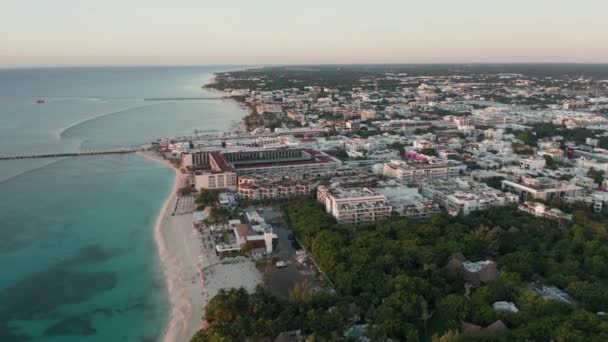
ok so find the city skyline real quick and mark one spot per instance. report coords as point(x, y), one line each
point(71, 33)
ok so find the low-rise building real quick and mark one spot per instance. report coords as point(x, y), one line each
point(475, 273)
point(461, 197)
point(541, 210)
point(408, 202)
point(541, 188)
point(354, 205)
point(260, 187)
point(415, 170)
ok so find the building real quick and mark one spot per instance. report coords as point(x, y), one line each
point(354, 205)
point(219, 169)
point(240, 236)
point(214, 181)
point(503, 306)
point(541, 210)
point(257, 161)
point(259, 187)
point(475, 273)
point(368, 114)
point(532, 163)
point(554, 293)
point(415, 170)
point(541, 188)
point(494, 134)
point(462, 197)
point(407, 202)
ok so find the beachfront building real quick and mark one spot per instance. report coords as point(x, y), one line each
point(354, 205)
point(214, 181)
point(253, 161)
point(267, 186)
point(541, 188)
point(239, 236)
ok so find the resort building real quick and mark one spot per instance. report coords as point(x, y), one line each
point(354, 205)
point(250, 161)
point(214, 181)
point(260, 187)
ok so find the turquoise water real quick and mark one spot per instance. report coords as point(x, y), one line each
point(77, 253)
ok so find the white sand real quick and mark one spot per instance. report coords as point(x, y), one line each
point(183, 256)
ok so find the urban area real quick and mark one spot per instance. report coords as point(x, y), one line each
point(388, 203)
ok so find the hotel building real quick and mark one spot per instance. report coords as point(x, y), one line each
point(222, 168)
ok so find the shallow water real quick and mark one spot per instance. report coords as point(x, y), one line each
point(76, 246)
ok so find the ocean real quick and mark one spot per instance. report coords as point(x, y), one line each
point(77, 253)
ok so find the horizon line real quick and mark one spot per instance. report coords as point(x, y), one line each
point(59, 66)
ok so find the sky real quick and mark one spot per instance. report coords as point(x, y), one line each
point(254, 32)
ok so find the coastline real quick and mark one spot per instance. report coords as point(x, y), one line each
point(178, 253)
point(193, 273)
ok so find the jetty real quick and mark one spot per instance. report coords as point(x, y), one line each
point(66, 154)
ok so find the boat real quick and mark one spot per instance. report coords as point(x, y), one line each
point(40, 100)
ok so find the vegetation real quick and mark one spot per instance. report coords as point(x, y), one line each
point(392, 276)
point(597, 175)
point(429, 152)
point(207, 198)
point(549, 130)
point(235, 315)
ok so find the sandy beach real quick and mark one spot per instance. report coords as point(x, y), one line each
point(193, 273)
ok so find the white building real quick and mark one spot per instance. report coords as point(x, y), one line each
point(412, 171)
point(532, 163)
point(215, 181)
point(541, 188)
point(541, 210)
point(462, 197)
point(354, 205)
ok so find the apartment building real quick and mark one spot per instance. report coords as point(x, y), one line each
point(412, 171)
point(542, 188)
point(259, 187)
point(460, 196)
point(354, 205)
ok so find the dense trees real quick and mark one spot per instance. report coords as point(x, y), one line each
point(235, 315)
point(397, 267)
point(392, 276)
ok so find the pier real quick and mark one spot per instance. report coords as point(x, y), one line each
point(66, 154)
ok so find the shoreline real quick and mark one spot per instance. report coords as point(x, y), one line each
point(193, 273)
point(182, 298)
